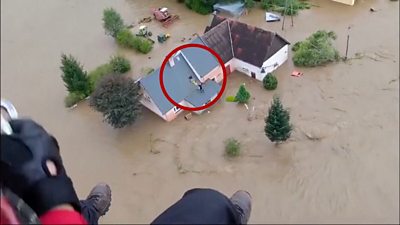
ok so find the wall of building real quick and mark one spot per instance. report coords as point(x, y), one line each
point(247, 68)
point(274, 61)
point(213, 74)
point(174, 112)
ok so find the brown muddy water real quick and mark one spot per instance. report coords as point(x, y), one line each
point(340, 166)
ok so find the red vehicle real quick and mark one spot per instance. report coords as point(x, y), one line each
point(162, 15)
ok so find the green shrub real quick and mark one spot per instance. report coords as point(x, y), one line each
point(145, 46)
point(231, 99)
point(270, 82)
point(112, 22)
point(296, 46)
point(242, 96)
point(292, 6)
point(232, 147)
point(249, 4)
point(73, 98)
point(201, 7)
point(97, 74)
point(125, 38)
point(316, 50)
point(119, 64)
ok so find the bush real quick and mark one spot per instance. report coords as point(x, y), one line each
point(97, 74)
point(202, 7)
point(126, 39)
point(118, 99)
point(270, 82)
point(73, 98)
point(230, 99)
point(112, 22)
point(242, 96)
point(249, 4)
point(288, 7)
point(144, 45)
point(316, 50)
point(119, 64)
point(75, 78)
point(232, 147)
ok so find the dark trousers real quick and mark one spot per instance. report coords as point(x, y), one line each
point(89, 212)
point(200, 206)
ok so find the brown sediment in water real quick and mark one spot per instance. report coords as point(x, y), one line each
point(340, 166)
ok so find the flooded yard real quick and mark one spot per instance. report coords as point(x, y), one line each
point(341, 164)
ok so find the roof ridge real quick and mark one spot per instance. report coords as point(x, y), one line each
point(230, 38)
point(191, 66)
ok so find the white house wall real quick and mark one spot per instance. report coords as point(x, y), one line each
point(277, 59)
point(247, 68)
point(172, 114)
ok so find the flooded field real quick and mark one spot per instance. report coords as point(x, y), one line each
point(340, 166)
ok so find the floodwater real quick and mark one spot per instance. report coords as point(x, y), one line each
point(340, 166)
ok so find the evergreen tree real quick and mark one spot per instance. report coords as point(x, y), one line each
point(242, 96)
point(112, 22)
point(118, 98)
point(75, 78)
point(277, 127)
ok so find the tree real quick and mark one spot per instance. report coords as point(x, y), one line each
point(249, 4)
point(242, 96)
point(75, 78)
point(287, 7)
point(118, 98)
point(270, 82)
point(112, 22)
point(277, 127)
point(315, 50)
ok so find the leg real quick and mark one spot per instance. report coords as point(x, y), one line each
point(242, 202)
point(97, 203)
point(206, 206)
point(89, 212)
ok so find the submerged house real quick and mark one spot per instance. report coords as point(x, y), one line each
point(192, 76)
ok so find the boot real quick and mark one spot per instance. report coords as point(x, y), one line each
point(242, 202)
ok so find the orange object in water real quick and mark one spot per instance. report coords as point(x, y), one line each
point(296, 73)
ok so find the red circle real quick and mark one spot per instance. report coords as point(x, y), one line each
point(221, 91)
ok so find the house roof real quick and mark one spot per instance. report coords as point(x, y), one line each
point(177, 82)
point(197, 99)
point(219, 39)
point(249, 44)
point(201, 60)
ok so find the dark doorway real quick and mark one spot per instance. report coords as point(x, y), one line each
point(253, 75)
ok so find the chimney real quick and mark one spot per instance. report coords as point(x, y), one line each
point(171, 61)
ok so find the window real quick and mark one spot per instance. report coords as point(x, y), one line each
point(176, 109)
